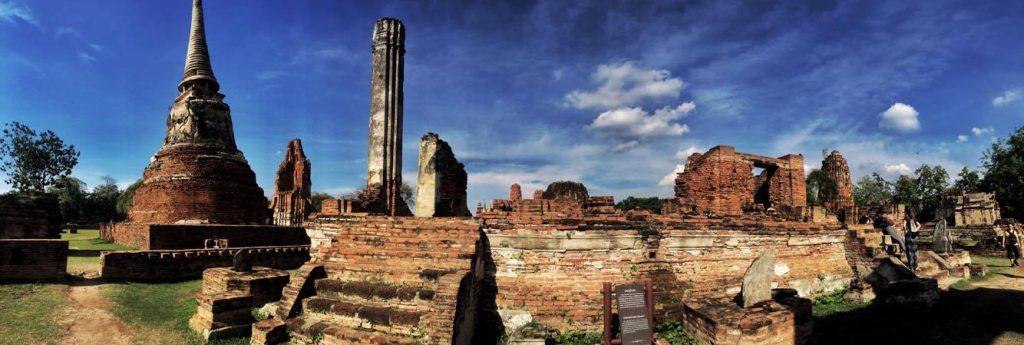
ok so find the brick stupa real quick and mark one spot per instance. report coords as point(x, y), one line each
point(199, 175)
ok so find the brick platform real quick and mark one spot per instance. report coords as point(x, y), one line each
point(185, 236)
point(722, 322)
point(264, 284)
point(33, 259)
point(223, 315)
point(160, 265)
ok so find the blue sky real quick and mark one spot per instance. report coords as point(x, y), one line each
point(613, 94)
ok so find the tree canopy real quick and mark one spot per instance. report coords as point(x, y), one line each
point(1004, 168)
point(33, 161)
point(652, 204)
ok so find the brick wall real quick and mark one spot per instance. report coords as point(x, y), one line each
point(33, 259)
point(183, 236)
point(29, 217)
point(555, 273)
point(151, 265)
point(721, 181)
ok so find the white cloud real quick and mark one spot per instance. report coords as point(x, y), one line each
point(65, 31)
point(631, 126)
point(961, 138)
point(898, 169)
point(625, 85)
point(982, 131)
point(96, 47)
point(9, 11)
point(900, 117)
point(1007, 97)
point(670, 179)
point(684, 154)
point(85, 57)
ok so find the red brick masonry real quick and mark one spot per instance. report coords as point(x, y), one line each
point(33, 259)
point(189, 264)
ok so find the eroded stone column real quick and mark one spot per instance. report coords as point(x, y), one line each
point(384, 163)
point(441, 184)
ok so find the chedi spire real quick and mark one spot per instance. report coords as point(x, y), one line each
point(197, 61)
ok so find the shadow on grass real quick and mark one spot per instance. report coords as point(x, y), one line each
point(977, 316)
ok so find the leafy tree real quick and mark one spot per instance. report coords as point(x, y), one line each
point(1004, 165)
point(968, 181)
point(101, 205)
point(905, 192)
point(33, 160)
point(872, 189)
point(125, 199)
point(652, 204)
point(932, 185)
point(318, 199)
point(820, 186)
point(71, 197)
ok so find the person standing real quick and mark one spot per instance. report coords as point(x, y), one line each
point(1013, 245)
point(912, 227)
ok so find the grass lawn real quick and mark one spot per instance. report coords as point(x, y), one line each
point(160, 312)
point(85, 250)
point(30, 313)
point(966, 314)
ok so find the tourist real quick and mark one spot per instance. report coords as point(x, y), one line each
point(1013, 246)
point(912, 227)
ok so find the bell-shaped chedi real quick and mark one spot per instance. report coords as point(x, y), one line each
point(291, 202)
point(199, 175)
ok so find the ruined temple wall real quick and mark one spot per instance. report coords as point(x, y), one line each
point(186, 236)
point(29, 217)
point(556, 275)
point(441, 184)
point(718, 181)
point(33, 259)
point(788, 185)
point(162, 265)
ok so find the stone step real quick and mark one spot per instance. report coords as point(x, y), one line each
point(337, 335)
point(396, 294)
point(378, 318)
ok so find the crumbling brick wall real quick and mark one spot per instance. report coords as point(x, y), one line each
point(163, 265)
point(184, 236)
point(841, 202)
point(33, 259)
point(29, 216)
point(555, 271)
point(721, 181)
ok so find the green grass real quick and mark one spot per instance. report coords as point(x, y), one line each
point(161, 311)
point(834, 303)
point(996, 266)
point(30, 313)
point(87, 240)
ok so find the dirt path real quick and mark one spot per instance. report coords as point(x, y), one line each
point(85, 320)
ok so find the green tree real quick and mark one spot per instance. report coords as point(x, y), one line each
point(905, 192)
point(820, 186)
point(932, 186)
point(71, 196)
point(101, 205)
point(33, 161)
point(872, 189)
point(652, 204)
point(125, 199)
point(968, 181)
point(318, 199)
point(1004, 167)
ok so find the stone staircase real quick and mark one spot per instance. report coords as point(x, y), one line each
point(400, 281)
point(929, 264)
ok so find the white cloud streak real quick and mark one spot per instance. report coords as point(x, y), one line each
point(624, 85)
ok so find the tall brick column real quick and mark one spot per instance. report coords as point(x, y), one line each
point(384, 163)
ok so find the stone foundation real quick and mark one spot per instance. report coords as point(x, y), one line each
point(223, 315)
point(186, 236)
point(160, 265)
point(33, 259)
point(264, 284)
point(722, 322)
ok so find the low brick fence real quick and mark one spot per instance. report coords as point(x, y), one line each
point(190, 236)
point(162, 265)
point(33, 259)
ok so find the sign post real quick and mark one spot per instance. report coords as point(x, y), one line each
point(636, 313)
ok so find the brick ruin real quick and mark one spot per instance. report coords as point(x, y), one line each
point(974, 209)
point(292, 187)
point(384, 162)
point(441, 185)
point(30, 244)
point(721, 182)
point(840, 203)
